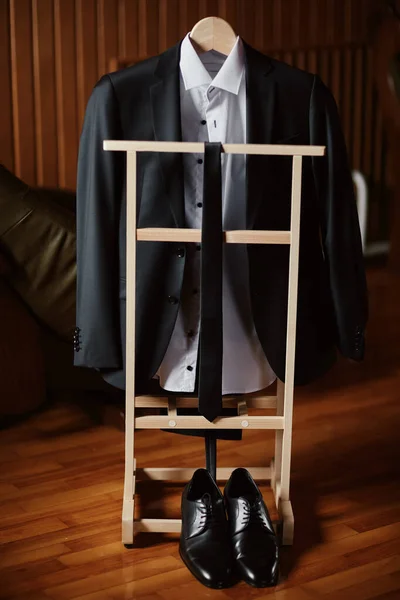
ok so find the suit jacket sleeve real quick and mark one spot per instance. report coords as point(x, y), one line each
point(97, 341)
point(340, 230)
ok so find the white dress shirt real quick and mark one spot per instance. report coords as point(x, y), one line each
point(213, 108)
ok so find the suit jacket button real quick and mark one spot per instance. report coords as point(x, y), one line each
point(172, 300)
point(180, 252)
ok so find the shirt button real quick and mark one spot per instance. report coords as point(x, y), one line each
point(189, 368)
point(200, 161)
point(203, 122)
point(172, 300)
point(199, 204)
point(198, 247)
point(190, 333)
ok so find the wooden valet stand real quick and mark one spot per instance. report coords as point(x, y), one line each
point(279, 470)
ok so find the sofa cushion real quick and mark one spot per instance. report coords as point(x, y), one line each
point(37, 236)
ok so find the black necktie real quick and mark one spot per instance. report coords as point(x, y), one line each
point(210, 341)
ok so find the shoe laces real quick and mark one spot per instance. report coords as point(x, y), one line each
point(253, 513)
point(206, 509)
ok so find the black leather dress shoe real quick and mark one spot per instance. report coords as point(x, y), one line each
point(254, 542)
point(205, 545)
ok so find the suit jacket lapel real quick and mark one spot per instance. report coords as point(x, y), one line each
point(166, 113)
point(261, 109)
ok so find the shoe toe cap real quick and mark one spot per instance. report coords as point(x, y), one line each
point(213, 575)
point(259, 571)
point(211, 570)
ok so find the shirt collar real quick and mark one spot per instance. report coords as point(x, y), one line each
point(195, 74)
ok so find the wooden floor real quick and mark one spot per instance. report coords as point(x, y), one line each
point(62, 476)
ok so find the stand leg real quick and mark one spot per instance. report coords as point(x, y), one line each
point(280, 467)
point(211, 453)
point(277, 462)
point(128, 508)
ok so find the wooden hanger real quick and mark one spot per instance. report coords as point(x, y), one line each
point(213, 33)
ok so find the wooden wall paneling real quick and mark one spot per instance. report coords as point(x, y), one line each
point(361, 11)
point(300, 59)
point(107, 33)
point(347, 106)
point(357, 31)
point(267, 23)
point(208, 8)
point(386, 195)
point(377, 172)
point(374, 123)
point(320, 23)
point(246, 19)
point(338, 12)
point(44, 92)
point(6, 111)
point(365, 9)
point(288, 57)
point(128, 28)
point(347, 21)
point(336, 72)
point(368, 115)
point(122, 30)
point(228, 10)
point(22, 90)
point(306, 17)
point(169, 27)
point(358, 107)
point(86, 53)
point(312, 61)
point(375, 162)
point(329, 28)
point(148, 27)
point(289, 24)
point(324, 65)
point(188, 16)
point(259, 24)
point(66, 89)
point(297, 22)
point(277, 18)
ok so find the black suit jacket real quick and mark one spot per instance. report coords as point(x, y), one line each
point(284, 105)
